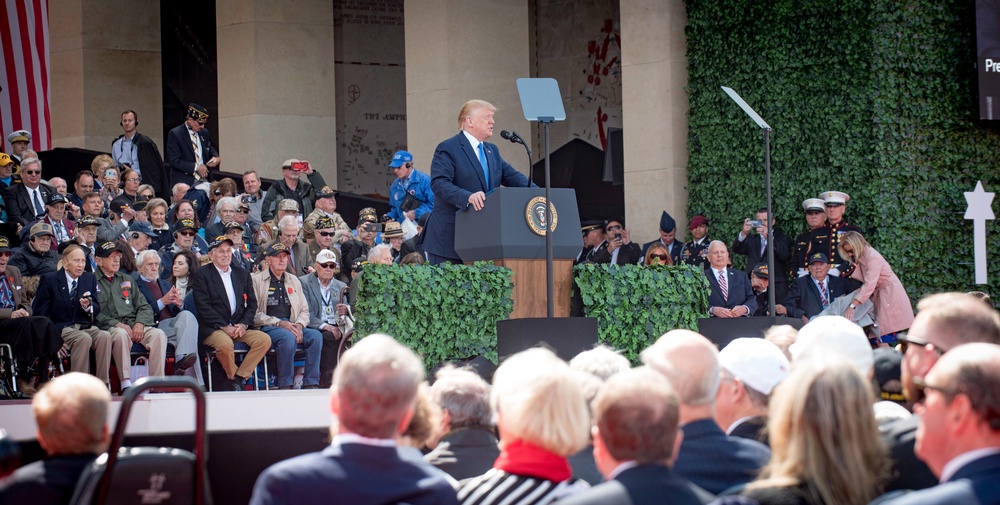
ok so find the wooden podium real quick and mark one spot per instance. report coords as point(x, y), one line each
point(502, 233)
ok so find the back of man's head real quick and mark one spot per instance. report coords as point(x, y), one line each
point(636, 413)
point(690, 362)
point(953, 319)
point(375, 386)
point(464, 396)
point(601, 362)
point(71, 412)
point(974, 371)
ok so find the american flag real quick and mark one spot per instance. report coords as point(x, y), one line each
point(24, 74)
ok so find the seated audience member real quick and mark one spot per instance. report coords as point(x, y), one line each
point(731, 294)
point(30, 337)
point(834, 335)
point(83, 184)
point(185, 234)
point(601, 362)
point(177, 192)
point(468, 447)
point(25, 202)
point(326, 206)
point(594, 367)
point(707, 456)
point(56, 216)
point(944, 321)
point(71, 417)
point(224, 213)
point(985, 297)
point(107, 231)
point(157, 211)
point(372, 399)
point(226, 305)
point(959, 432)
point(223, 189)
point(393, 235)
point(367, 232)
point(414, 258)
point(656, 254)
point(421, 433)
point(36, 257)
point(812, 293)
point(593, 241)
point(782, 336)
point(381, 254)
point(185, 263)
point(126, 314)
point(618, 247)
point(180, 326)
point(888, 375)
point(416, 244)
point(542, 419)
point(695, 251)
point(283, 314)
point(299, 261)
point(249, 228)
point(322, 292)
point(241, 251)
point(760, 282)
point(751, 368)
point(754, 247)
point(85, 236)
point(186, 209)
point(636, 427)
point(59, 184)
point(269, 230)
point(140, 235)
point(824, 440)
point(324, 237)
point(668, 234)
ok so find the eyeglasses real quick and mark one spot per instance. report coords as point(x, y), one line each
point(5, 254)
point(661, 257)
point(244, 211)
point(923, 386)
point(327, 233)
point(327, 265)
point(133, 179)
point(188, 233)
point(33, 172)
point(614, 227)
point(906, 342)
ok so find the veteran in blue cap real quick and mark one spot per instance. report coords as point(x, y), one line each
point(668, 238)
point(410, 195)
point(810, 294)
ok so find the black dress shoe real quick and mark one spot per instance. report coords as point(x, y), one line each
point(232, 385)
point(181, 366)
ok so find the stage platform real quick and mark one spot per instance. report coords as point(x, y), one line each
point(247, 431)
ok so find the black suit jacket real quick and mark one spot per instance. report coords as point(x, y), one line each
point(50, 481)
point(20, 208)
point(52, 299)
point(164, 287)
point(977, 482)
point(803, 298)
point(643, 485)
point(908, 471)
point(180, 153)
point(465, 452)
point(213, 302)
point(455, 175)
point(750, 247)
point(740, 292)
point(151, 164)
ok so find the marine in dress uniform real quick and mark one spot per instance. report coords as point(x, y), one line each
point(826, 238)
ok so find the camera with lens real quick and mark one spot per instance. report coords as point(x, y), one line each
point(375, 227)
point(755, 223)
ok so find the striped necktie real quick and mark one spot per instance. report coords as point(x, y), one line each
point(724, 284)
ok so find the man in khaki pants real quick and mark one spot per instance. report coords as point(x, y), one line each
point(68, 297)
point(125, 313)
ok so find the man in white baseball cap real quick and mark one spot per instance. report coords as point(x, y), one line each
point(750, 368)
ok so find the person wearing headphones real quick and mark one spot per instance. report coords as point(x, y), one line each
point(410, 194)
point(138, 152)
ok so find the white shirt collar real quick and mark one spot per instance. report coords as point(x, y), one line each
point(227, 272)
point(473, 141)
point(69, 280)
point(354, 438)
point(956, 463)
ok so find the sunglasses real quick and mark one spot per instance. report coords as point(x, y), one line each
point(327, 233)
point(244, 211)
point(614, 227)
point(328, 265)
point(33, 172)
point(906, 342)
point(5, 254)
point(188, 233)
point(661, 257)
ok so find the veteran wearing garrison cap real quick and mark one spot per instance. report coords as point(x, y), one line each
point(825, 239)
point(668, 238)
point(189, 151)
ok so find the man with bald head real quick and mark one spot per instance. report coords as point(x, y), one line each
point(959, 432)
point(707, 456)
point(731, 294)
point(943, 322)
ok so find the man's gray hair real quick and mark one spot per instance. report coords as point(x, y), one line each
point(376, 386)
point(601, 362)
point(464, 395)
point(288, 222)
point(145, 256)
point(27, 161)
point(228, 200)
point(376, 251)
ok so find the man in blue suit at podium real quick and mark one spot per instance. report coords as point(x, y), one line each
point(464, 169)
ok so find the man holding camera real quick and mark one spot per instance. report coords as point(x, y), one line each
point(618, 247)
point(291, 186)
point(326, 206)
point(368, 229)
point(410, 194)
point(252, 197)
point(754, 247)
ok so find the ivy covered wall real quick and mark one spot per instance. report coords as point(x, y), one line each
point(873, 98)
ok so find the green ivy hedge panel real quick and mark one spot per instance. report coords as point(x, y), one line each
point(443, 312)
point(874, 98)
point(635, 305)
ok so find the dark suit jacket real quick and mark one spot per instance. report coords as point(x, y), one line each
point(674, 249)
point(715, 462)
point(455, 175)
point(908, 471)
point(803, 298)
point(213, 302)
point(180, 153)
point(465, 452)
point(47, 482)
point(151, 164)
point(164, 287)
point(351, 473)
point(740, 292)
point(750, 247)
point(643, 485)
point(978, 482)
point(20, 208)
point(52, 299)
point(754, 429)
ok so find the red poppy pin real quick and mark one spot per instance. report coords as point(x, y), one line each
point(289, 290)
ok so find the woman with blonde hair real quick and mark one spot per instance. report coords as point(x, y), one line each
point(657, 255)
point(892, 309)
point(825, 447)
point(542, 418)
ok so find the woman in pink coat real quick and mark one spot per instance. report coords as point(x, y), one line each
point(893, 312)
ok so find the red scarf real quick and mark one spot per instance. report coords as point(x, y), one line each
point(526, 459)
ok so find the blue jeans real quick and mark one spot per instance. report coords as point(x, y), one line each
point(283, 342)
